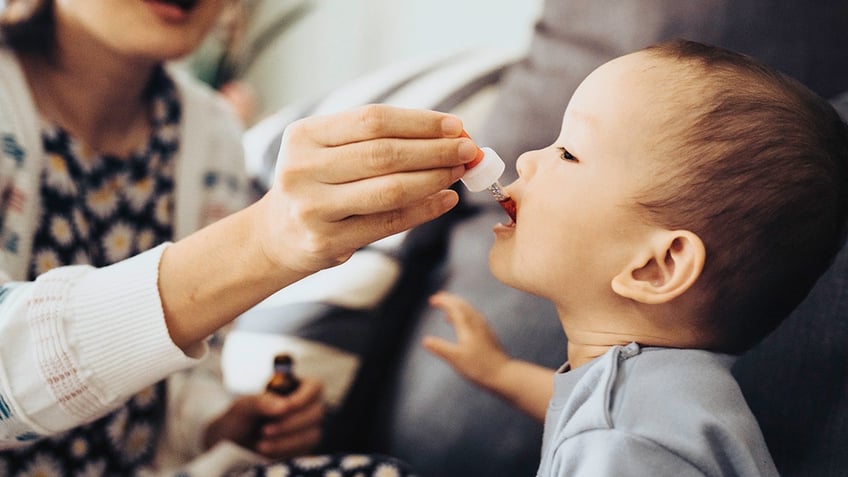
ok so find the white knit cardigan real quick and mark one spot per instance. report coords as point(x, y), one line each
point(79, 341)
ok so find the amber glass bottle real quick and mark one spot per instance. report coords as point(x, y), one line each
point(283, 381)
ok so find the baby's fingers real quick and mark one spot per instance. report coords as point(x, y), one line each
point(475, 364)
point(466, 321)
point(441, 348)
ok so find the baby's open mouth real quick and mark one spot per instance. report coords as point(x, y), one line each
point(509, 207)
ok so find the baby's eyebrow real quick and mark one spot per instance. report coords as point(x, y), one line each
point(584, 117)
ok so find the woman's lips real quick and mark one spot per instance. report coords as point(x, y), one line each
point(172, 10)
point(182, 4)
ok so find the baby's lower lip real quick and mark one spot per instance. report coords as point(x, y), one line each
point(504, 228)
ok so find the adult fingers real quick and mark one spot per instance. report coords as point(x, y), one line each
point(309, 392)
point(291, 445)
point(377, 157)
point(310, 235)
point(377, 121)
point(365, 227)
point(385, 193)
point(296, 422)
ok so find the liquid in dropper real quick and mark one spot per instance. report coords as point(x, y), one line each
point(506, 202)
point(484, 172)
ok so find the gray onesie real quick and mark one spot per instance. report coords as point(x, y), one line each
point(652, 411)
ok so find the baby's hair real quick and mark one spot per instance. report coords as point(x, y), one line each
point(756, 168)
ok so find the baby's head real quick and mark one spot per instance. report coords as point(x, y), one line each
point(685, 176)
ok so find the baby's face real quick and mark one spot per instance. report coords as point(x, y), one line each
point(577, 222)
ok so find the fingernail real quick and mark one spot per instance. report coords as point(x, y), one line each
point(451, 126)
point(450, 200)
point(457, 172)
point(467, 151)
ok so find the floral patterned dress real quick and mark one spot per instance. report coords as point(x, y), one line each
point(331, 465)
point(99, 210)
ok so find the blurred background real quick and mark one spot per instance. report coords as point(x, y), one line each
point(297, 50)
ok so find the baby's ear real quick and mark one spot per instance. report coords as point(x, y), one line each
point(666, 267)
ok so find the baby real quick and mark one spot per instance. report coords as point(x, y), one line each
point(690, 202)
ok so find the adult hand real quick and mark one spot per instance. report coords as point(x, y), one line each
point(346, 180)
point(277, 427)
point(342, 182)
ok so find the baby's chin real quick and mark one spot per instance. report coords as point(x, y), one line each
point(504, 271)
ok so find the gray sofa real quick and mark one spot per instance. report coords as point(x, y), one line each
point(408, 404)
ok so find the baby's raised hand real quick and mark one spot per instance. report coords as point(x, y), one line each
point(477, 354)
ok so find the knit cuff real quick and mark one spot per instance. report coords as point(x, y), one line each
point(111, 323)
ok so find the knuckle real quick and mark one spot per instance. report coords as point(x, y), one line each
point(289, 175)
point(394, 221)
point(372, 118)
point(391, 195)
point(380, 154)
point(440, 178)
point(295, 131)
point(305, 213)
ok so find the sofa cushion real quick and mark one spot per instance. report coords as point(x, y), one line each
point(796, 381)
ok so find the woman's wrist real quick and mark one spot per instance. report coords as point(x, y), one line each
point(209, 278)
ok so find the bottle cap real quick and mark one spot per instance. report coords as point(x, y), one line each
point(484, 173)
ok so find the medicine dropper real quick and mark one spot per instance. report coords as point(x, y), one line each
point(484, 173)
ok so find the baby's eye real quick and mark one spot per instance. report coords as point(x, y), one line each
point(565, 155)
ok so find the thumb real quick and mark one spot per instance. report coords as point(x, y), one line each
point(271, 404)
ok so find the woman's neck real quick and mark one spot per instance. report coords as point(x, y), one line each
point(96, 97)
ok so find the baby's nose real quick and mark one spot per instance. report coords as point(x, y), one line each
point(525, 165)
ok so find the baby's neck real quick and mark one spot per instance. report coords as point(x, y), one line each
point(590, 337)
point(584, 347)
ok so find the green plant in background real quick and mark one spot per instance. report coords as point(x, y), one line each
point(240, 39)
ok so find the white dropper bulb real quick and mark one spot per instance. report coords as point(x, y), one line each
point(488, 171)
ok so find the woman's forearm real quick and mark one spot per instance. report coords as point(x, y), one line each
point(214, 275)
